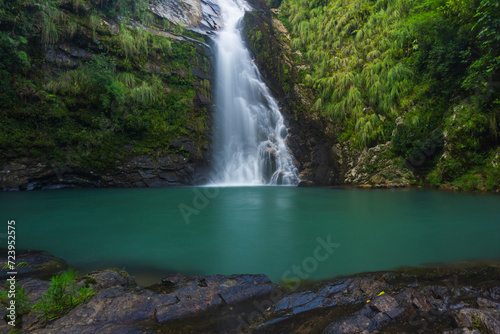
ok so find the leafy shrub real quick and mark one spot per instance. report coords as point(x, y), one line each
point(470, 182)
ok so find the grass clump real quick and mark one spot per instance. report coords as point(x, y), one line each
point(63, 295)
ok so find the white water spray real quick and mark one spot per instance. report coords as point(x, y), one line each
point(250, 134)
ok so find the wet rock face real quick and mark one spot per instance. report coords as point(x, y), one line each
point(200, 15)
point(186, 13)
point(66, 55)
point(338, 292)
point(374, 167)
point(168, 170)
point(180, 168)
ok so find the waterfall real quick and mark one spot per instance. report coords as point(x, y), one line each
point(249, 147)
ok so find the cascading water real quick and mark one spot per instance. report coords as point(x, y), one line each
point(250, 134)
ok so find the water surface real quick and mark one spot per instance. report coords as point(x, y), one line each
point(254, 229)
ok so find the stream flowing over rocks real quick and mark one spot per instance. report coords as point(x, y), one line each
point(445, 300)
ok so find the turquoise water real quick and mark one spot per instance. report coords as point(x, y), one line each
point(269, 230)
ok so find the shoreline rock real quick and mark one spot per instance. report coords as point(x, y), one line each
point(38, 264)
point(441, 300)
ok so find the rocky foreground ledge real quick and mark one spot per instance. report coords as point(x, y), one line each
point(451, 301)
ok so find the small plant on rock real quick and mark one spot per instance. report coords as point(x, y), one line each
point(22, 305)
point(63, 295)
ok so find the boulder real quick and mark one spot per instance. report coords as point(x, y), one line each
point(39, 264)
point(108, 278)
point(384, 303)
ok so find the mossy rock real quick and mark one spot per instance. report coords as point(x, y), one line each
point(39, 264)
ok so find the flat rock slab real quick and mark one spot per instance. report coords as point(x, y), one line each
point(195, 294)
point(121, 305)
point(338, 292)
point(376, 314)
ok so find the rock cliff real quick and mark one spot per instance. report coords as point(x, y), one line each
point(119, 102)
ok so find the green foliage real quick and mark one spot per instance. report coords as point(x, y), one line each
point(492, 176)
point(128, 9)
point(258, 36)
point(355, 50)
point(416, 140)
point(434, 65)
point(368, 130)
point(466, 131)
point(470, 182)
point(23, 306)
point(127, 88)
point(488, 25)
point(162, 46)
point(273, 3)
point(63, 295)
point(95, 82)
point(18, 265)
point(50, 17)
point(79, 6)
point(126, 42)
point(15, 60)
point(478, 324)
